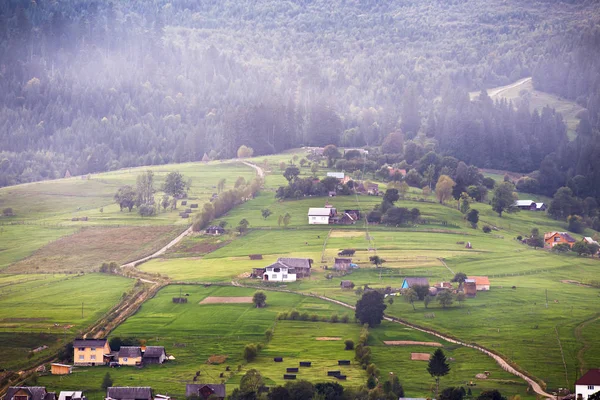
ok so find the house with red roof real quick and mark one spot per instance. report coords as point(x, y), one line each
point(588, 384)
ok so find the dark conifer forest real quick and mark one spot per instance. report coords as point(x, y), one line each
point(89, 86)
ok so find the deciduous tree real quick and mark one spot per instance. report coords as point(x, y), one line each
point(504, 198)
point(443, 188)
point(370, 308)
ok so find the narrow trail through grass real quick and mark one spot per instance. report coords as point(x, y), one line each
point(586, 344)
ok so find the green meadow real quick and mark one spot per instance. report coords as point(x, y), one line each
point(194, 332)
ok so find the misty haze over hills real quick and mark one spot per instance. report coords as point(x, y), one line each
point(93, 86)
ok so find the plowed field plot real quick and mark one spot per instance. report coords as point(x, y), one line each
point(226, 300)
point(88, 248)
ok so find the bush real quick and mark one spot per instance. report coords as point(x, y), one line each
point(250, 352)
point(314, 317)
point(294, 315)
point(486, 229)
point(345, 318)
point(269, 335)
point(561, 248)
point(304, 316)
point(519, 237)
point(349, 344)
point(334, 318)
point(282, 315)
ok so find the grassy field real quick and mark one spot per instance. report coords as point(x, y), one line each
point(537, 101)
point(193, 332)
point(38, 310)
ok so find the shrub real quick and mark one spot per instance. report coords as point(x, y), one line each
point(334, 318)
point(304, 316)
point(269, 334)
point(282, 315)
point(486, 229)
point(294, 315)
point(561, 248)
point(250, 352)
point(345, 318)
point(314, 318)
point(519, 237)
point(349, 344)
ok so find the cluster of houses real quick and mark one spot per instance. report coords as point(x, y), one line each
point(93, 352)
point(551, 239)
point(329, 215)
point(470, 287)
point(202, 391)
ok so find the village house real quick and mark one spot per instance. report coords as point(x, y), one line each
point(482, 283)
point(589, 240)
point(338, 175)
point(71, 395)
point(214, 230)
point(60, 369)
point(129, 393)
point(551, 239)
point(588, 384)
point(205, 390)
point(321, 215)
point(414, 281)
point(130, 355)
point(154, 355)
point(29, 393)
point(347, 285)
point(342, 263)
point(285, 270)
point(91, 352)
point(349, 217)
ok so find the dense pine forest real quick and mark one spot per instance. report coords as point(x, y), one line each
point(89, 86)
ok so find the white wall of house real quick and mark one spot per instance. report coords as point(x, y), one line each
point(483, 287)
point(318, 220)
point(586, 390)
point(279, 275)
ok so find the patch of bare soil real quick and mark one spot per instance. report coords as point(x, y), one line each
point(576, 283)
point(410, 343)
point(226, 300)
point(325, 338)
point(216, 359)
point(420, 356)
point(88, 248)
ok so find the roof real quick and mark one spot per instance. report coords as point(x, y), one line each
point(129, 393)
point(339, 175)
point(480, 280)
point(89, 342)
point(154, 351)
point(592, 377)
point(469, 280)
point(130, 351)
point(295, 262)
point(524, 203)
point(70, 395)
point(215, 227)
point(37, 392)
point(61, 365)
point(565, 236)
point(417, 281)
point(191, 389)
point(318, 211)
point(539, 205)
point(589, 240)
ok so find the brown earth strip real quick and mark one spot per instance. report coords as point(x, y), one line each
point(226, 300)
point(420, 356)
point(325, 338)
point(410, 343)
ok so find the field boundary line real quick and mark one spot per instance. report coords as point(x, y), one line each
point(446, 265)
point(325, 245)
point(562, 354)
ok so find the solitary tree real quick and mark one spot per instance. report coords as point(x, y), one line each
point(332, 153)
point(265, 213)
point(125, 197)
point(243, 225)
point(251, 382)
point(445, 298)
point(245, 151)
point(443, 188)
point(286, 219)
point(107, 381)
point(473, 217)
point(250, 352)
point(370, 308)
point(438, 367)
point(174, 185)
point(377, 261)
point(411, 296)
point(504, 198)
point(259, 299)
point(291, 173)
point(460, 278)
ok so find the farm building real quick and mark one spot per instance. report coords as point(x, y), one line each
point(373, 189)
point(551, 239)
point(258, 273)
point(470, 287)
point(346, 284)
point(205, 390)
point(342, 263)
point(130, 355)
point(60, 369)
point(154, 355)
point(29, 393)
point(414, 281)
point(530, 205)
point(91, 352)
point(588, 384)
point(320, 215)
point(70, 395)
point(129, 393)
point(214, 230)
point(347, 218)
point(332, 193)
point(337, 175)
point(482, 283)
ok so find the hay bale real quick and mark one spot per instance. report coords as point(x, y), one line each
point(305, 363)
point(289, 376)
point(74, 219)
point(184, 203)
point(343, 362)
point(333, 373)
point(341, 377)
point(195, 205)
point(278, 359)
point(292, 369)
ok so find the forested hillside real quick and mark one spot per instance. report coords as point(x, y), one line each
point(89, 86)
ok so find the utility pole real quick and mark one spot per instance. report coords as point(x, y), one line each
point(82, 310)
point(546, 298)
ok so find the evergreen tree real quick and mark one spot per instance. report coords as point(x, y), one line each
point(438, 367)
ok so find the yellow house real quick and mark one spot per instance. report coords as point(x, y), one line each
point(90, 351)
point(130, 355)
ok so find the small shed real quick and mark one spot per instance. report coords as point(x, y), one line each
point(470, 287)
point(214, 230)
point(258, 273)
point(154, 355)
point(342, 263)
point(347, 285)
point(60, 369)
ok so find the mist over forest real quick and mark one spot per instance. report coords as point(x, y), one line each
point(89, 86)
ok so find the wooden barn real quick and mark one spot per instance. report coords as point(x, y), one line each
point(205, 390)
point(60, 369)
point(154, 355)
